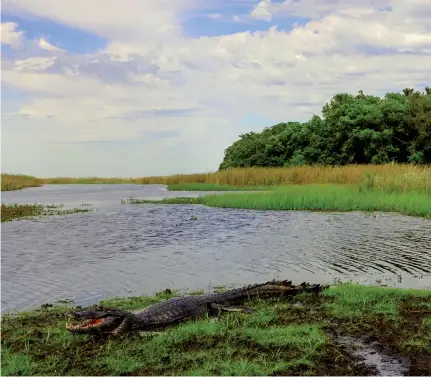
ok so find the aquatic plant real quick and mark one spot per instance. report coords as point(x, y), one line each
point(16, 211)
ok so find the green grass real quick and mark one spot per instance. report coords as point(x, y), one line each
point(214, 187)
point(289, 336)
point(10, 212)
point(353, 301)
point(315, 198)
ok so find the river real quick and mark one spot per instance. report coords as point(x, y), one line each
point(122, 250)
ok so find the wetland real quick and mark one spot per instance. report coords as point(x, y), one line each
point(129, 245)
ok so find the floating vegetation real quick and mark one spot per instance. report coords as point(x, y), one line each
point(17, 211)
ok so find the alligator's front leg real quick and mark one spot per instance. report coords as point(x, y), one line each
point(124, 326)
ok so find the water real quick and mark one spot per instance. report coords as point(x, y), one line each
point(121, 250)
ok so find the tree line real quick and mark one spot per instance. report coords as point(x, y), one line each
point(353, 129)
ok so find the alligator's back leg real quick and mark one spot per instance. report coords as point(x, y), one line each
point(232, 308)
point(147, 334)
point(218, 308)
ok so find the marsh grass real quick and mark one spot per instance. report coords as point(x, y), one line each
point(282, 336)
point(390, 177)
point(214, 187)
point(10, 212)
point(327, 198)
point(323, 197)
point(10, 182)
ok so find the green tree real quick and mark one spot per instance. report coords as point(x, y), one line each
point(357, 128)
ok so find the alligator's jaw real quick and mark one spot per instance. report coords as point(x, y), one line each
point(86, 325)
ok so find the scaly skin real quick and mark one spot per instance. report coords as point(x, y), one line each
point(179, 309)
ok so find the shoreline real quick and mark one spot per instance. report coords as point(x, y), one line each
point(297, 335)
point(313, 197)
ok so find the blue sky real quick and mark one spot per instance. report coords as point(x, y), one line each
point(98, 90)
point(78, 41)
point(75, 41)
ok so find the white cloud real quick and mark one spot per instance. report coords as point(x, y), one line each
point(36, 63)
point(45, 45)
point(9, 35)
point(262, 11)
point(154, 94)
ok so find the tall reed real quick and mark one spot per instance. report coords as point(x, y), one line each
point(11, 182)
point(389, 177)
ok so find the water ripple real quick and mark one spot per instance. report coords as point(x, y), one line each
point(136, 249)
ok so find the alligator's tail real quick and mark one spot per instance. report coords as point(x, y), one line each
point(272, 288)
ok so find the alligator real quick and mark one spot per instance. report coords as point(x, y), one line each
point(178, 309)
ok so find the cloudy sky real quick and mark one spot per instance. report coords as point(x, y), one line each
point(157, 87)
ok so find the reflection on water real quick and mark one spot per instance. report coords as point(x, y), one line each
point(134, 249)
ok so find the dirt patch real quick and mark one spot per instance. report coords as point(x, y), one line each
point(379, 343)
point(339, 361)
point(371, 355)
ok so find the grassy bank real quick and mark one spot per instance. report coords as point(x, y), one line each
point(214, 187)
point(391, 177)
point(10, 182)
point(314, 198)
point(11, 212)
point(297, 335)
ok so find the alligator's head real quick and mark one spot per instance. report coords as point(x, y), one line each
point(98, 321)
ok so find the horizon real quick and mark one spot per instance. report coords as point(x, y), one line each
point(123, 90)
